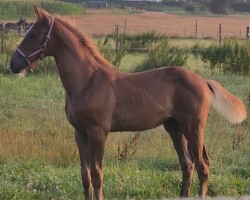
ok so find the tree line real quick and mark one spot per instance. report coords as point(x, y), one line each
point(215, 6)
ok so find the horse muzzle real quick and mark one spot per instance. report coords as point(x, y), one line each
point(17, 63)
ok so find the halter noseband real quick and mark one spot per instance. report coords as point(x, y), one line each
point(42, 48)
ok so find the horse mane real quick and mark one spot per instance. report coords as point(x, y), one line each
point(86, 41)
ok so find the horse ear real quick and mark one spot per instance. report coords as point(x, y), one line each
point(41, 14)
point(36, 10)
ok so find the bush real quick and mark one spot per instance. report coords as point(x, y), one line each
point(233, 56)
point(113, 54)
point(143, 40)
point(17, 9)
point(161, 55)
point(219, 6)
point(190, 7)
point(9, 46)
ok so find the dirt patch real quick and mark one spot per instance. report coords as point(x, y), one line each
point(102, 21)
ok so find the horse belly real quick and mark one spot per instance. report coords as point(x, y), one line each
point(139, 119)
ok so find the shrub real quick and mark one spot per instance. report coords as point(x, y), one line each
point(113, 54)
point(9, 45)
point(143, 40)
point(160, 54)
point(190, 7)
point(46, 66)
point(219, 6)
point(233, 56)
point(17, 9)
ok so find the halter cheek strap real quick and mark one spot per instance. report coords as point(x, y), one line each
point(39, 51)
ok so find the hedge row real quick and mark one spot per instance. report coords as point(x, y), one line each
point(17, 9)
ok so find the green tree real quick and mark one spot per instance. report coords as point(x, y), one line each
point(219, 6)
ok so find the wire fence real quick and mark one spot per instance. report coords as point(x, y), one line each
point(180, 27)
point(199, 32)
point(173, 26)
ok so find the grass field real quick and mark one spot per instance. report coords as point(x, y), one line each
point(39, 159)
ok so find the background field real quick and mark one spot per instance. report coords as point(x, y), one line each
point(97, 21)
point(38, 154)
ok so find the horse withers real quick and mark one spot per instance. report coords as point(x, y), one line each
point(100, 100)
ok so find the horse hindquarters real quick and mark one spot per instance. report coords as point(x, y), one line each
point(189, 119)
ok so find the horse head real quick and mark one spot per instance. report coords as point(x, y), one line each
point(34, 45)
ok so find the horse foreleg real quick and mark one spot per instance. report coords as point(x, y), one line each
point(185, 159)
point(97, 139)
point(83, 147)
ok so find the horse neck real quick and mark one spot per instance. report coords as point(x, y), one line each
point(74, 62)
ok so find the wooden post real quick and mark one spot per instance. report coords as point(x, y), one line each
point(220, 34)
point(196, 28)
point(185, 31)
point(247, 33)
point(125, 26)
point(117, 38)
point(2, 38)
point(124, 34)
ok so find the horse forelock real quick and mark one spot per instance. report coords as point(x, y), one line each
point(86, 41)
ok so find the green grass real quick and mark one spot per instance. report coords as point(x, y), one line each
point(16, 9)
point(39, 158)
point(126, 12)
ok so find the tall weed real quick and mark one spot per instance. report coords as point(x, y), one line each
point(143, 40)
point(161, 54)
point(112, 54)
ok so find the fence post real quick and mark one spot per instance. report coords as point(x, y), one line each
point(117, 37)
point(196, 28)
point(220, 34)
point(2, 38)
point(125, 26)
point(247, 33)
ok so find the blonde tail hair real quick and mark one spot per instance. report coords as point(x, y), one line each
point(228, 105)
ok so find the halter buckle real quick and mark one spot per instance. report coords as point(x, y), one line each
point(43, 48)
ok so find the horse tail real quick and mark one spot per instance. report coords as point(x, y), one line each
point(228, 105)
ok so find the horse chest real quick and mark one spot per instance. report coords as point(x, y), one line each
point(85, 116)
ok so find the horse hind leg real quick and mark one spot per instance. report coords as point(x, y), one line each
point(185, 158)
point(196, 146)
